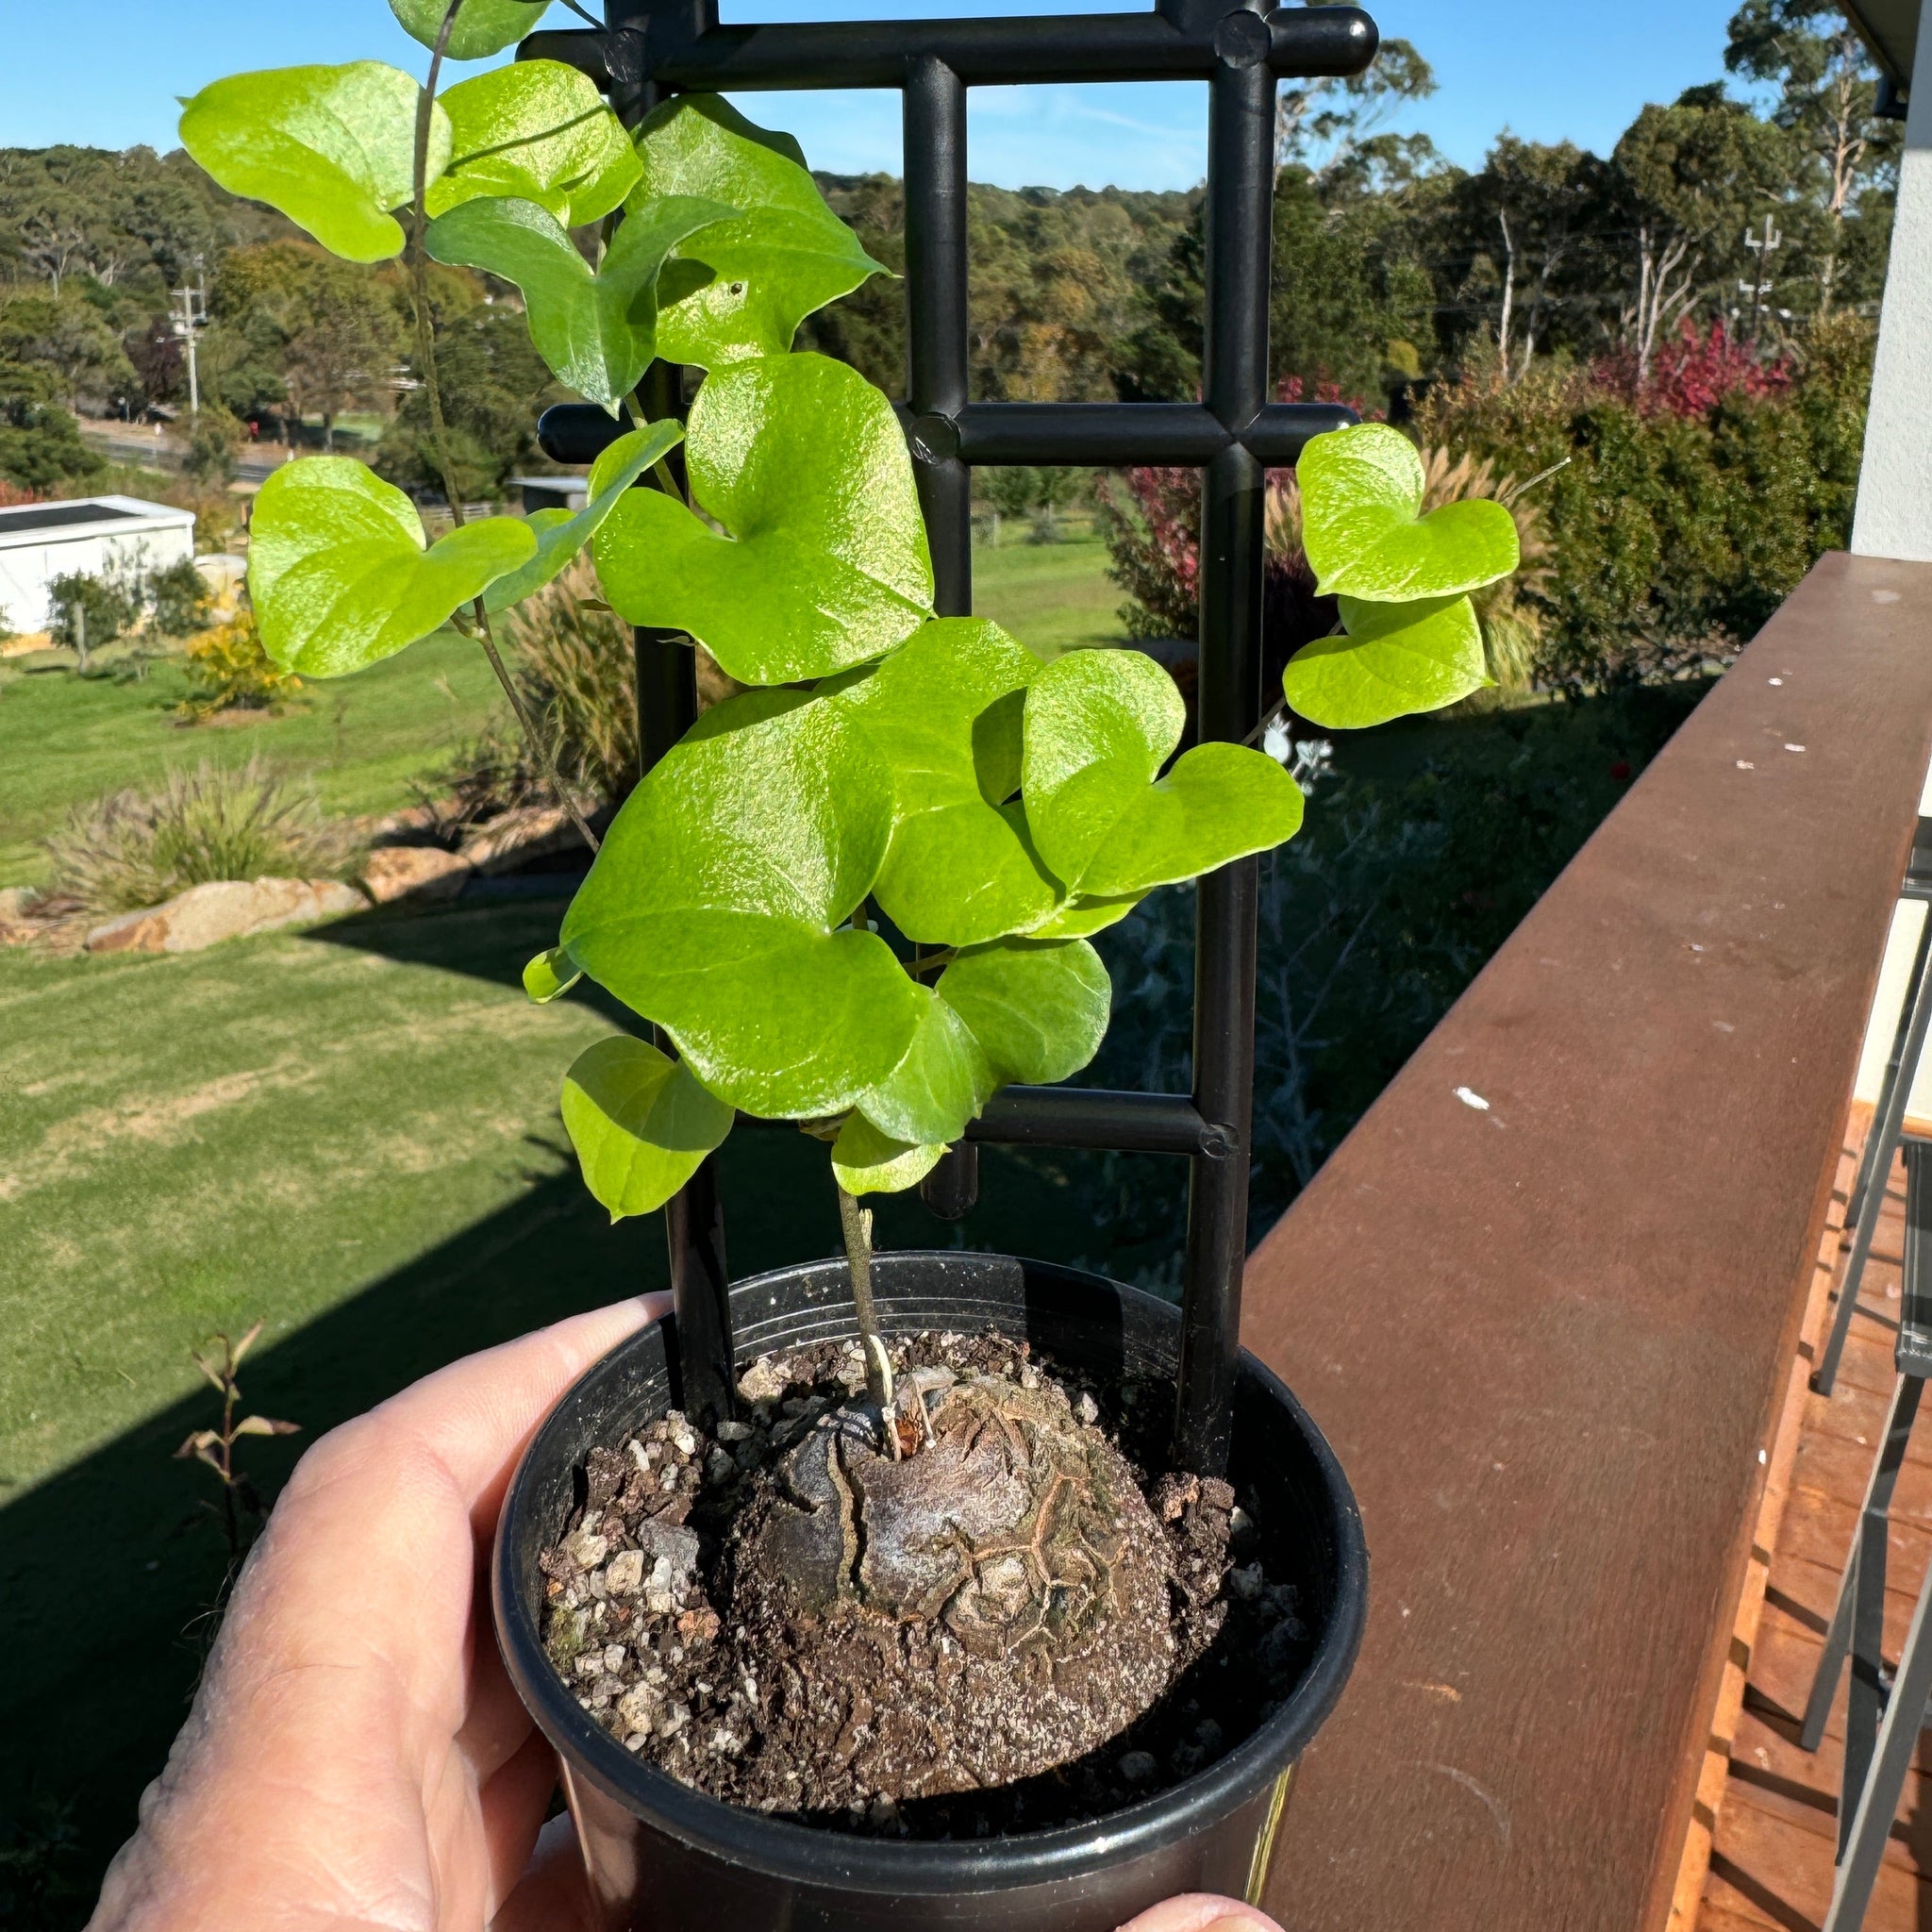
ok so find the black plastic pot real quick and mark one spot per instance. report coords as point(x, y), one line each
point(663, 1857)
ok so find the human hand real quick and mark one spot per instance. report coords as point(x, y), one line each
point(356, 1756)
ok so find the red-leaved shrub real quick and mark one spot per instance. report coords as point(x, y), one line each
point(1692, 375)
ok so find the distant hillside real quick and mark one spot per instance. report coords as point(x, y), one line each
point(1056, 283)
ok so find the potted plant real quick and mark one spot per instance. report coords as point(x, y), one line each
point(918, 1629)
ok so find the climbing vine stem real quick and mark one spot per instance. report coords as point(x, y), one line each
point(540, 746)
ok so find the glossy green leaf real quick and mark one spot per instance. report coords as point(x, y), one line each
point(1038, 1009)
point(332, 147)
point(944, 713)
point(742, 287)
point(1099, 726)
point(640, 1124)
point(1396, 659)
point(942, 1082)
point(713, 908)
point(538, 130)
point(1361, 489)
point(550, 975)
point(1084, 915)
point(560, 534)
point(865, 1161)
point(339, 575)
point(764, 273)
point(825, 563)
point(482, 29)
point(596, 330)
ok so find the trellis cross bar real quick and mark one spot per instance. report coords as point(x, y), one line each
point(651, 48)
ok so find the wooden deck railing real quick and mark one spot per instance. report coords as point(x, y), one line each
point(1547, 1332)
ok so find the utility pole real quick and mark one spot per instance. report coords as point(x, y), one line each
point(1760, 285)
point(192, 318)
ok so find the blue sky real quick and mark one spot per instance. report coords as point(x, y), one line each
point(105, 72)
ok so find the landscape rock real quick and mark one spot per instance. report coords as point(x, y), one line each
point(423, 875)
point(532, 832)
point(223, 909)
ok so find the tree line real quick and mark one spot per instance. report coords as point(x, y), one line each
point(1761, 203)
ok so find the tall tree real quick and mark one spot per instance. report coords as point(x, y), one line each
point(1827, 90)
point(1527, 222)
point(1689, 181)
point(1318, 122)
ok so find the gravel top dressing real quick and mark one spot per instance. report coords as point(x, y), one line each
point(1007, 1630)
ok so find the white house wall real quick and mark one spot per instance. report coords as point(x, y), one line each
point(1894, 514)
point(27, 568)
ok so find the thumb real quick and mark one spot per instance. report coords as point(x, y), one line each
point(1198, 1912)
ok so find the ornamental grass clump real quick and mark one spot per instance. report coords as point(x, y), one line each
point(126, 850)
point(858, 896)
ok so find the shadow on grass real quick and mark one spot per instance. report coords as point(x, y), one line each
point(108, 1569)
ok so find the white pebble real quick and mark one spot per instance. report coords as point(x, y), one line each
point(624, 1572)
point(1086, 1409)
point(588, 1550)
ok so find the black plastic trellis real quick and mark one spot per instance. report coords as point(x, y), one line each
point(651, 48)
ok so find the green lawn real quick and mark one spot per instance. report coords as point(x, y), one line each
point(1052, 597)
point(352, 1134)
point(360, 741)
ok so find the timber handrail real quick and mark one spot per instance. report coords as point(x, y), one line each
point(1547, 1335)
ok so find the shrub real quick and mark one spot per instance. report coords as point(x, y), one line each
point(181, 599)
point(213, 444)
point(126, 849)
point(228, 670)
point(1672, 535)
point(90, 612)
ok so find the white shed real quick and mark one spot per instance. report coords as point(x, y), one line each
point(94, 535)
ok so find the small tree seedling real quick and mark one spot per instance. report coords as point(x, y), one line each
point(216, 1447)
point(996, 812)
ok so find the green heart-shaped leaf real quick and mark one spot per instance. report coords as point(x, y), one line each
point(550, 975)
point(1099, 726)
point(483, 28)
point(713, 906)
point(825, 564)
point(332, 147)
point(598, 330)
point(742, 287)
point(560, 534)
point(1083, 916)
point(1038, 1009)
point(944, 712)
point(865, 1161)
point(640, 1124)
point(942, 1082)
point(337, 573)
point(1396, 659)
point(538, 130)
point(1361, 489)
point(766, 271)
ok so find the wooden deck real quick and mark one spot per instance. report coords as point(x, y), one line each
point(1770, 1842)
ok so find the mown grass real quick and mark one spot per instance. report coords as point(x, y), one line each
point(350, 1134)
point(360, 741)
point(1052, 597)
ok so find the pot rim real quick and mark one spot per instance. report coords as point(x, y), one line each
point(807, 1855)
